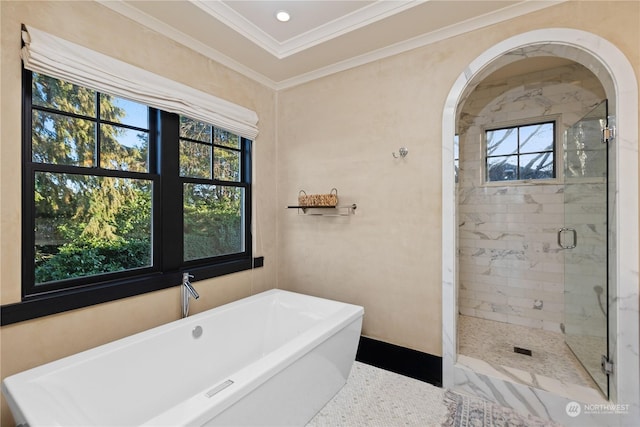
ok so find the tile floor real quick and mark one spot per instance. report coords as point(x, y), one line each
point(493, 342)
point(374, 397)
point(487, 347)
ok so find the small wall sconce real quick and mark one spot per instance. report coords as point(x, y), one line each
point(402, 151)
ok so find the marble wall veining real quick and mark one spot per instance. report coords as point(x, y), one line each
point(616, 73)
point(511, 268)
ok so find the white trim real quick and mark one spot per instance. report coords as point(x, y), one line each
point(419, 41)
point(170, 32)
point(357, 19)
point(619, 80)
point(505, 14)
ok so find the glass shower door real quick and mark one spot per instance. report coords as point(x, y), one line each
point(584, 239)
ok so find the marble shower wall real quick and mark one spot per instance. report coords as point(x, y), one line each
point(510, 266)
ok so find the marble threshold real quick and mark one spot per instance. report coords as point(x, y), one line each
point(575, 392)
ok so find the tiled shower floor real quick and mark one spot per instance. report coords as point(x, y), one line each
point(490, 345)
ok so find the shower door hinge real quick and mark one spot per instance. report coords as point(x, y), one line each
point(606, 365)
point(608, 134)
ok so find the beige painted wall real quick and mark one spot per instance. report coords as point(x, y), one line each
point(32, 343)
point(340, 131)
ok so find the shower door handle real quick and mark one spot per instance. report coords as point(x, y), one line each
point(575, 237)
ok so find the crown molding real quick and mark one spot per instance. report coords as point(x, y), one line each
point(352, 21)
point(148, 21)
point(472, 24)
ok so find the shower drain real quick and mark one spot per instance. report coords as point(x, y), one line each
point(521, 350)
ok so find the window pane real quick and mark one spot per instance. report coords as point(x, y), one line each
point(223, 137)
point(194, 129)
point(504, 168)
point(89, 225)
point(226, 166)
point(456, 147)
point(536, 138)
point(195, 160)
point(60, 95)
point(213, 221)
point(502, 141)
point(536, 166)
point(123, 149)
point(123, 111)
point(62, 140)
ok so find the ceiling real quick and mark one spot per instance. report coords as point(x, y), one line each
point(322, 36)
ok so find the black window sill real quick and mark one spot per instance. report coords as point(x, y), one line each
point(58, 302)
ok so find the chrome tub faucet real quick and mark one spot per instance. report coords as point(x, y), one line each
point(187, 291)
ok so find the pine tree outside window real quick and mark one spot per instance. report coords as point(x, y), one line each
point(120, 195)
point(92, 186)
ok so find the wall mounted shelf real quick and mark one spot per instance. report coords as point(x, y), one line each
point(340, 210)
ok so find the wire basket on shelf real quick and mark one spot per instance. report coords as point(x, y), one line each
point(324, 200)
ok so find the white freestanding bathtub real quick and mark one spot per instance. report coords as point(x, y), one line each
point(275, 358)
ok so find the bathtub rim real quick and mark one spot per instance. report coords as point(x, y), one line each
point(155, 331)
point(21, 383)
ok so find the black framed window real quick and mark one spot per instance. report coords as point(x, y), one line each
point(215, 185)
point(120, 198)
point(523, 152)
point(89, 186)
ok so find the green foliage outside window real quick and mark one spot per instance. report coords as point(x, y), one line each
point(86, 224)
point(212, 221)
point(212, 213)
point(93, 188)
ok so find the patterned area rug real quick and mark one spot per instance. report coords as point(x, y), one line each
point(466, 411)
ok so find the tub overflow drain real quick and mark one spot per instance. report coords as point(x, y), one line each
point(197, 332)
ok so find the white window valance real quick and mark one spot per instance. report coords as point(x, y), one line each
point(55, 57)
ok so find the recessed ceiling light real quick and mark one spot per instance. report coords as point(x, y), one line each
point(283, 16)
